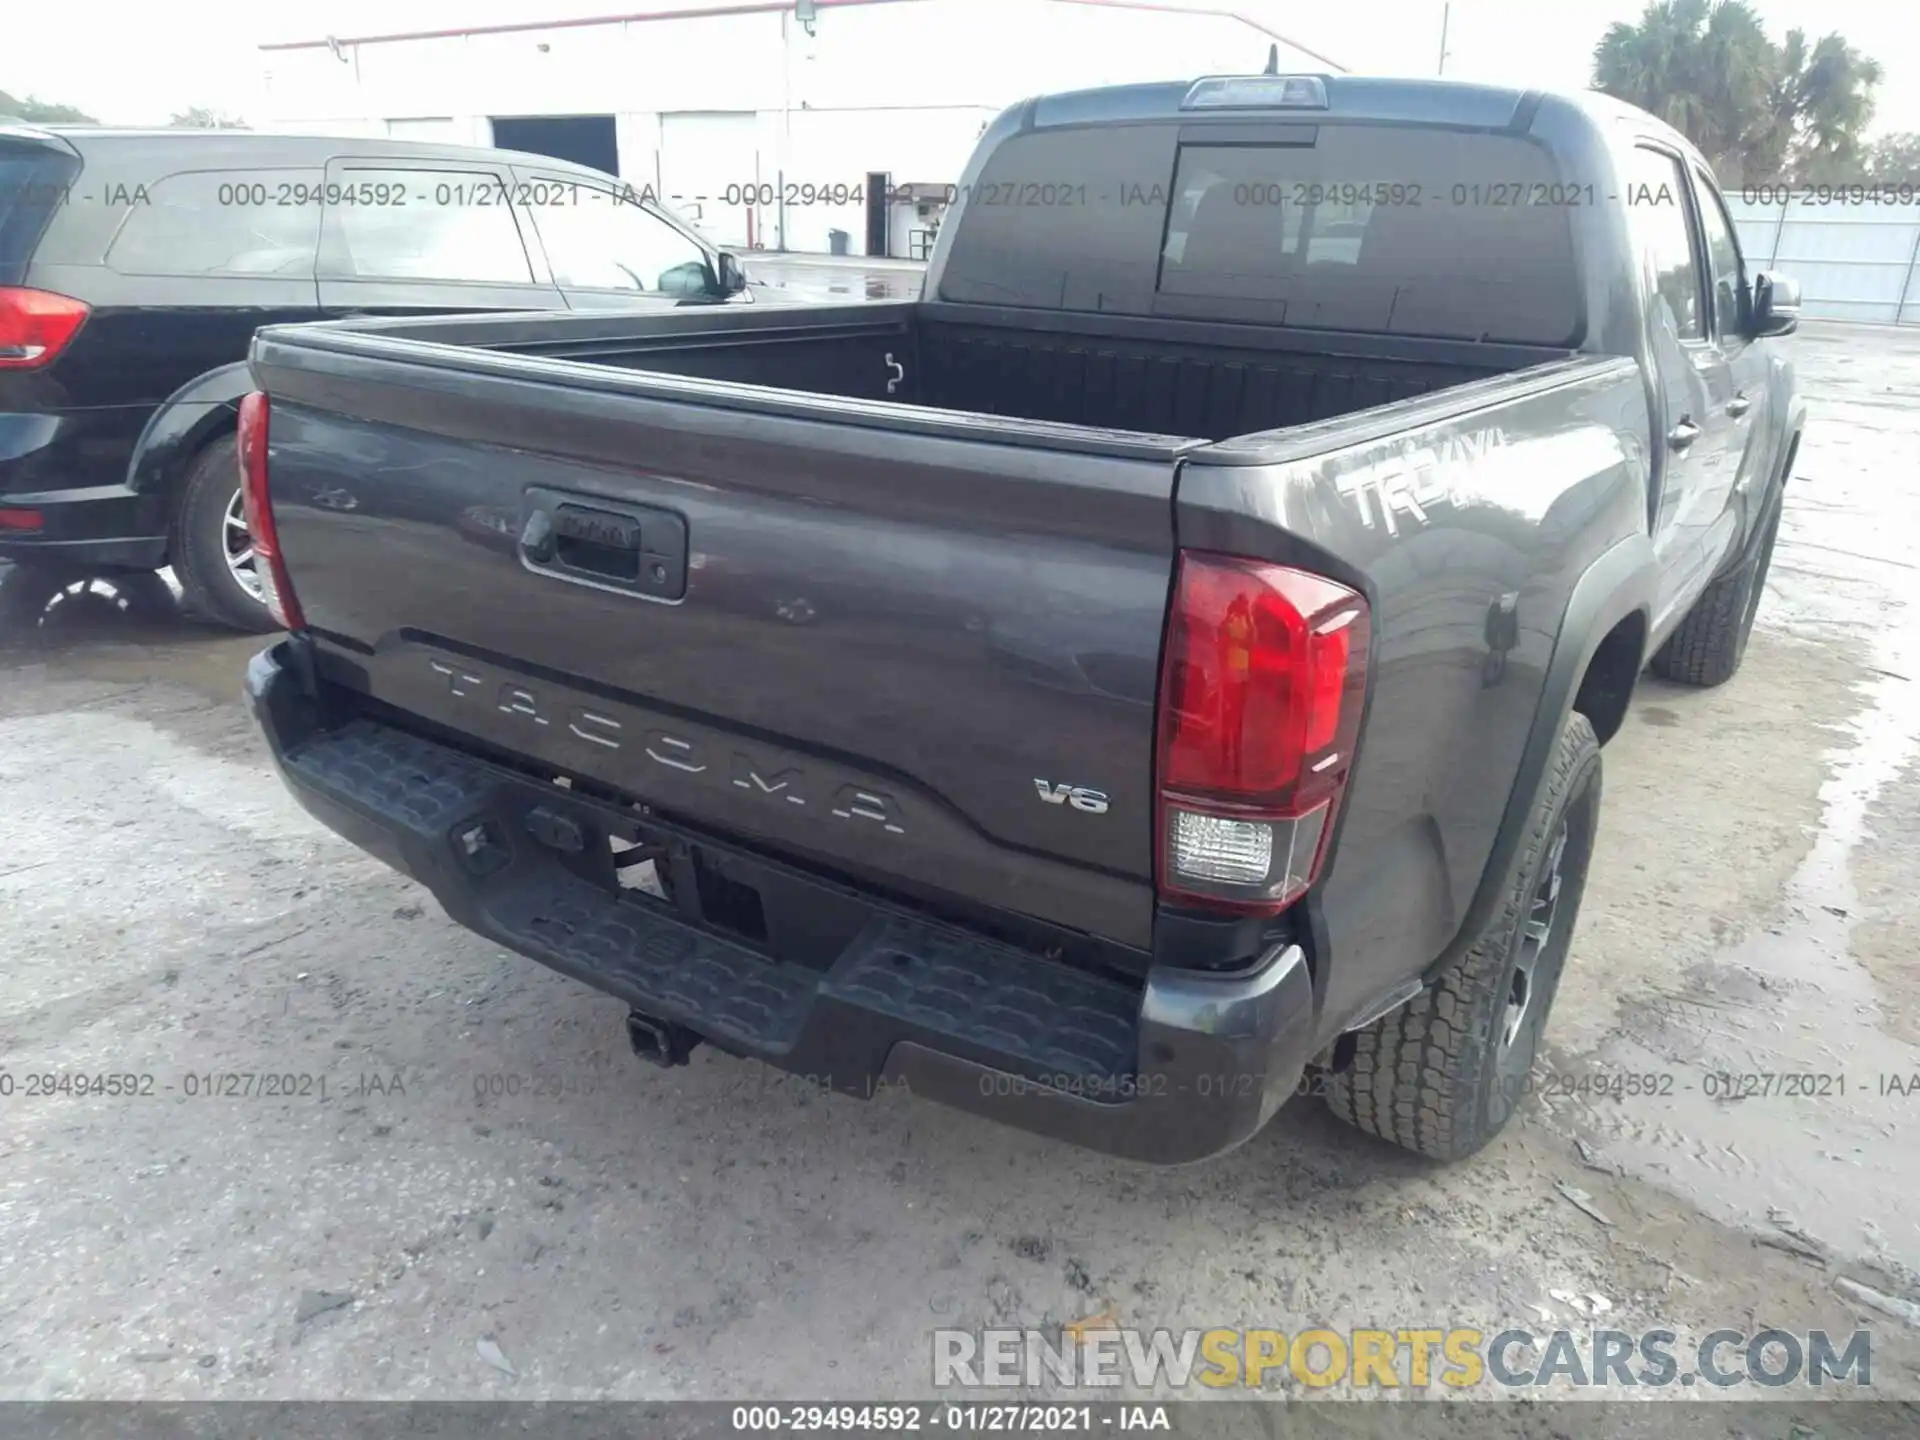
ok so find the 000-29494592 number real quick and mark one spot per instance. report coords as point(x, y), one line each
point(1012, 1418)
point(194, 1085)
point(37, 1084)
point(1866, 192)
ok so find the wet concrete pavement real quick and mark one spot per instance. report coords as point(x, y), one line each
point(717, 1232)
point(1805, 1101)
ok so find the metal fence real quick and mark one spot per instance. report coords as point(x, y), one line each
point(1853, 262)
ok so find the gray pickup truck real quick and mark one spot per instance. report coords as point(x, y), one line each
point(1161, 671)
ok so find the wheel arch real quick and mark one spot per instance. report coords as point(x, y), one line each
point(1597, 658)
point(199, 412)
point(1606, 685)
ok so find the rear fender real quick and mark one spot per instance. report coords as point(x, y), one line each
point(1619, 584)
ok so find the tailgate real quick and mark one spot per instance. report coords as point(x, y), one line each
point(917, 651)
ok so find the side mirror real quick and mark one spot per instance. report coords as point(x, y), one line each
point(732, 278)
point(1776, 304)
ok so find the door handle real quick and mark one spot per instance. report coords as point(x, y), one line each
point(1739, 405)
point(1683, 434)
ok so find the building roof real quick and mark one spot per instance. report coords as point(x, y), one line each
point(702, 9)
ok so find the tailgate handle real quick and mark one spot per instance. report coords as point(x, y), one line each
point(597, 542)
point(636, 547)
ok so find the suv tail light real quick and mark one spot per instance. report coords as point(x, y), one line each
point(1260, 699)
point(35, 326)
point(267, 561)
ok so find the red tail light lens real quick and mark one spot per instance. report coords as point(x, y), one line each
point(1260, 700)
point(268, 563)
point(36, 325)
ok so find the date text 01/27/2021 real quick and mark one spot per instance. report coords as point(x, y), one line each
point(194, 1085)
point(960, 1419)
point(1062, 191)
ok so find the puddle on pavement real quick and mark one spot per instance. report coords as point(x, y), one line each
point(1832, 1140)
point(1841, 1159)
point(121, 628)
point(42, 610)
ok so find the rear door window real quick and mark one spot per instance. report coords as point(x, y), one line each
point(1381, 229)
point(423, 225)
point(223, 222)
point(1657, 213)
point(597, 240)
point(1727, 271)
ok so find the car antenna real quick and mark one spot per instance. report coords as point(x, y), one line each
point(1273, 60)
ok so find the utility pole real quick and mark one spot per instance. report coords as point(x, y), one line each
point(1446, 14)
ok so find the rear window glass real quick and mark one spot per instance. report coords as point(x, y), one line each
point(223, 222)
point(1377, 229)
point(33, 184)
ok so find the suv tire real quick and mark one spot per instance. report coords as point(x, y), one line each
point(203, 541)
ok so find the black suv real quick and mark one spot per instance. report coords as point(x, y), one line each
point(136, 265)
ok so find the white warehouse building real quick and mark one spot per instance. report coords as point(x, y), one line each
point(760, 122)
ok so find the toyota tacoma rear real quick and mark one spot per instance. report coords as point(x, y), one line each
point(1162, 669)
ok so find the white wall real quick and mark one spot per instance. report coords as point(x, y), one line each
point(903, 87)
point(1853, 262)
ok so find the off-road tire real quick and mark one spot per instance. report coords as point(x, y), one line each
point(1433, 1075)
point(196, 543)
point(1711, 641)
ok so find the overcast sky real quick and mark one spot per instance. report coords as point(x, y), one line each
point(137, 65)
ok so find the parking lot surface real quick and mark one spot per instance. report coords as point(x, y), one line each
point(466, 1186)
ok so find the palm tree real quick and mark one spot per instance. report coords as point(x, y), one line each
point(1895, 159)
point(1734, 67)
point(1757, 110)
point(1647, 64)
point(1833, 93)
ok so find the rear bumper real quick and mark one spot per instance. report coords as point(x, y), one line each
point(1183, 1068)
point(72, 468)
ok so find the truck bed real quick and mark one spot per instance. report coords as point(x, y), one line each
point(1166, 378)
point(949, 611)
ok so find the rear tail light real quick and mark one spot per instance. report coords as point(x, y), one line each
point(1260, 700)
point(35, 326)
point(268, 562)
point(22, 519)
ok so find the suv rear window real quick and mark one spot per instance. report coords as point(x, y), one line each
point(33, 184)
point(1377, 229)
point(223, 222)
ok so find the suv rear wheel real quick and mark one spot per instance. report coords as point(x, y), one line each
point(1444, 1073)
point(212, 553)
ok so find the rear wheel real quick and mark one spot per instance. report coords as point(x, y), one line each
point(1710, 643)
point(212, 553)
point(1443, 1073)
